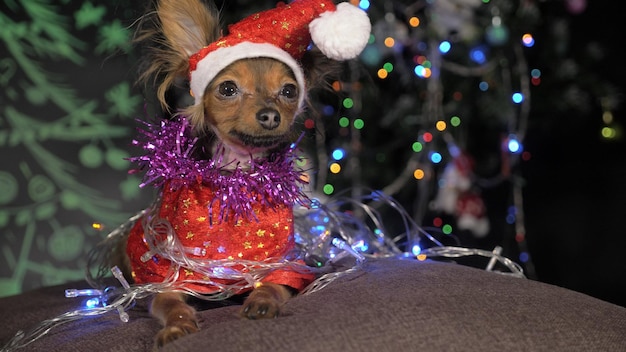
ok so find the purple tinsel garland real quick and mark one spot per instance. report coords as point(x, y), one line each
point(267, 181)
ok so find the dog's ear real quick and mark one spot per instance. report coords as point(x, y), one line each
point(319, 70)
point(188, 25)
point(176, 30)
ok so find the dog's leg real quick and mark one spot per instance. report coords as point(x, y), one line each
point(265, 301)
point(177, 317)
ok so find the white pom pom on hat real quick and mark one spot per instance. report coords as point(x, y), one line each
point(284, 33)
point(341, 34)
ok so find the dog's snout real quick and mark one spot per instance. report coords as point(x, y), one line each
point(268, 118)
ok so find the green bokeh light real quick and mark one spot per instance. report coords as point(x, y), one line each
point(40, 188)
point(8, 187)
point(66, 243)
point(90, 156)
point(117, 159)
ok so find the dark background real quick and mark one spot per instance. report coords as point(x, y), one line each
point(576, 193)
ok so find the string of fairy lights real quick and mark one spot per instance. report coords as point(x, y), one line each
point(427, 151)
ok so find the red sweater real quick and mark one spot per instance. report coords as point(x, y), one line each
point(187, 210)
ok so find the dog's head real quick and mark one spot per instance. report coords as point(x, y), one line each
point(249, 85)
point(251, 104)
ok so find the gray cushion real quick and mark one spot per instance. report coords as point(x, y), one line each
point(389, 305)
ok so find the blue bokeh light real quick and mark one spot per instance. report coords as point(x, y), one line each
point(338, 154)
point(435, 157)
point(445, 47)
point(478, 55)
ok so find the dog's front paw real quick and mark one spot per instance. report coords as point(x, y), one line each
point(265, 302)
point(260, 309)
point(175, 331)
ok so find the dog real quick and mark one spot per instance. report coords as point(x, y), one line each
point(248, 87)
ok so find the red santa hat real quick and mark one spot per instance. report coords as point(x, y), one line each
point(284, 33)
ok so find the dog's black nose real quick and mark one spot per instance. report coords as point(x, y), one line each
point(268, 118)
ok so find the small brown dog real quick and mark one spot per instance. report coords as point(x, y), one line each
point(248, 87)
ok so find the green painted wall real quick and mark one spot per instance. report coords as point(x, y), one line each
point(67, 115)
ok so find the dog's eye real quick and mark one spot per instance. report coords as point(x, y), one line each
point(289, 91)
point(228, 88)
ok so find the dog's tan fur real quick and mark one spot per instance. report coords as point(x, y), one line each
point(229, 113)
point(179, 29)
point(261, 84)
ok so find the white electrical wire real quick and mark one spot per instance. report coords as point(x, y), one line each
point(332, 241)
